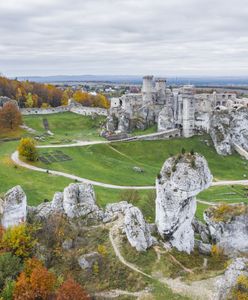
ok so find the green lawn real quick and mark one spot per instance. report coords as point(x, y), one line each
point(113, 163)
point(38, 186)
point(229, 194)
point(41, 186)
point(66, 127)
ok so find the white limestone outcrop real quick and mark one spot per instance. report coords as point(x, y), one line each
point(224, 285)
point(137, 230)
point(166, 119)
point(13, 207)
point(180, 180)
point(229, 230)
point(77, 200)
point(229, 128)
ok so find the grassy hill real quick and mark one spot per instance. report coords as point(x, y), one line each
point(66, 127)
point(113, 163)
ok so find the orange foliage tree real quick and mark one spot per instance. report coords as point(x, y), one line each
point(71, 290)
point(10, 116)
point(35, 282)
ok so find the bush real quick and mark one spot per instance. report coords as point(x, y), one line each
point(217, 251)
point(10, 267)
point(36, 282)
point(27, 148)
point(7, 293)
point(183, 151)
point(71, 290)
point(19, 240)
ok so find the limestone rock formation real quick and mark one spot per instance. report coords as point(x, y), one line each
point(137, 230)
point(77, 200)
point(229, 128)
point(13, 207)
point(180, 180)
point(224, 285)
point(228, 227)
point(166, 119)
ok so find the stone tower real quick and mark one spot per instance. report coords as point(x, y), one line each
point(188, 113)
point(160, 88)
point(147, 89)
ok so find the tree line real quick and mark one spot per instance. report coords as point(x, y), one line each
point(33, 94)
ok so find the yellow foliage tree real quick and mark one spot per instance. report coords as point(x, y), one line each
point(18, 240)
point(27, 149)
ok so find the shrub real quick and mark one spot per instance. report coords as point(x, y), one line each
point(8, 290)
point(183, 151)
point(36, 282)
point(192, 152)
point(10, 267)
point(240, 291)
point(27, 148)
point(71, 290)
point(217, 251)
point(102, 250)
point(19, 240)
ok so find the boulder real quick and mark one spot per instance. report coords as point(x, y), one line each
point(180, 180)
point(224, 285)
point(87, 261)
point(13, 207)
point(138, 169)
point(204, 248)
point(228, 227)
point(67, 244)
point(136, 229)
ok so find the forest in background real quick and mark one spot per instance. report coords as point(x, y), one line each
point(33, 94)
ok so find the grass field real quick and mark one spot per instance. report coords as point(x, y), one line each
point(66, 127)
point(113, 163)
point(41, 186)
point(229, 194)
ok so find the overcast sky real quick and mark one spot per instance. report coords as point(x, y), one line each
point(134, 37)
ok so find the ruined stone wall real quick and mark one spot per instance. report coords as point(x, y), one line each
point(81, 110)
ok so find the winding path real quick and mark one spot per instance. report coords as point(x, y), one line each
point(200, 290)
point(15, 158)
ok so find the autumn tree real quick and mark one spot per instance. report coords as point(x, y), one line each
point(18, 240)
point(10, 116)
point(35, 282)
point(27, 148)
point(71, 290)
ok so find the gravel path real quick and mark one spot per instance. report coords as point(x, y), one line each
point(200, 290)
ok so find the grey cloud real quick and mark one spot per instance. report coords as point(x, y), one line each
point(46, 37)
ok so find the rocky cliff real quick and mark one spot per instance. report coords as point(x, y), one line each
point(228, 227)
point(228, 128)
point(180, 180)
point(224, 286)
